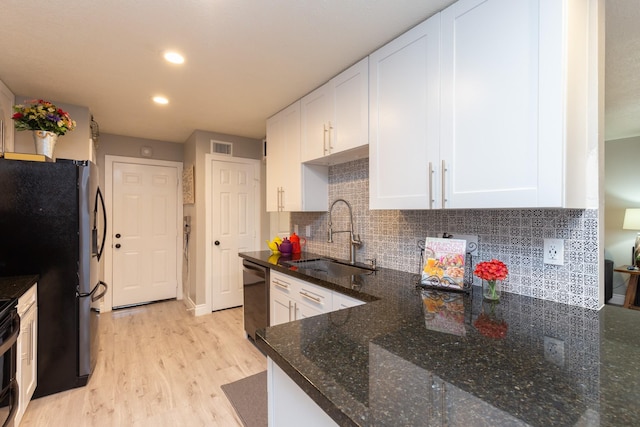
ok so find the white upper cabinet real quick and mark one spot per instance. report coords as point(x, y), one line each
point(7, 129)
point(335, 118)
point(489, 104)
point(514, 127)
point(404, 120)
point(292, 186)
point(283, 160)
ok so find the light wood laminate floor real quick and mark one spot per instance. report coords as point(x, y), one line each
point(158, 365)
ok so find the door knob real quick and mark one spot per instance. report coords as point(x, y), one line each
point(117, 245)
point(118, 236)
point(217, 243)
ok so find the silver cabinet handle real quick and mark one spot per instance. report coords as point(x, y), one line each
point(289, 310)
point(324, 138)
point(281, 285)
point(430, 183)
point(311, 297)
point(444, 171)
point(282, 198)
point(330, 129)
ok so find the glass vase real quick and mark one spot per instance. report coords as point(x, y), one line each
point(491, 289)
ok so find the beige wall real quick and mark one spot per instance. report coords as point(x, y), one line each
point(74, 145)
point(622, 190)
point(195, 148)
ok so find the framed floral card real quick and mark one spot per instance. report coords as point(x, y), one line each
point(444, 263)
point(188, 190)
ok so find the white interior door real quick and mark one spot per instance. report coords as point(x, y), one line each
point(144, 233)
point(233, 228)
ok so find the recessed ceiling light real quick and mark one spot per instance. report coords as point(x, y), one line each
point(174, 57)
point(160, 100)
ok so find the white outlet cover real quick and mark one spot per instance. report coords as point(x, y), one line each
point(553, 251)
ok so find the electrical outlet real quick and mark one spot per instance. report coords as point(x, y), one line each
point(554, 350)
point(554, 251)
point(295, 228)
point(307, 230)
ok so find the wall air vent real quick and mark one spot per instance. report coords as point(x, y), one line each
point(223, 148)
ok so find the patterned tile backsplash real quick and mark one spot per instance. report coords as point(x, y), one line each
point(514, 236)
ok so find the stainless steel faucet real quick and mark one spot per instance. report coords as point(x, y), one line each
point(354, 241)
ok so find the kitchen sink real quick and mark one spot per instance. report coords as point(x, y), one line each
point(331, 267)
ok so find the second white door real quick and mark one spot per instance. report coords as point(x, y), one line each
point(233, 228)
point(144, 233)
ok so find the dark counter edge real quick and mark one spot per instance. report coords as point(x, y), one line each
point(15, 286)
point(304, 383)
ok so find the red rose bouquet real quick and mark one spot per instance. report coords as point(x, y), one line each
point(491, 271)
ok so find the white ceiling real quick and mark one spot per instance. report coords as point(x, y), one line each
point(245, 59)
point(622, 69)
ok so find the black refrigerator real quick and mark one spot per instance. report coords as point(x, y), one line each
point(53, 223)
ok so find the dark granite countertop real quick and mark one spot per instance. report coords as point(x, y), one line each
point(16, 286)
point(390, 362)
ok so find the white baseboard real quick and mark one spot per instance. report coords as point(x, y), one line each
point(198, 310)
point(201, 309)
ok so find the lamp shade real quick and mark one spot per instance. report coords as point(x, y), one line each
point(631, 219)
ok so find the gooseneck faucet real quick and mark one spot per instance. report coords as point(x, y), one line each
point(354, 240)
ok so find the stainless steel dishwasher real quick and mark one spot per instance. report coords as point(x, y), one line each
point(255, 279)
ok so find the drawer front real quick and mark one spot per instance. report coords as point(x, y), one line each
point(282, 283)
point(315, 296)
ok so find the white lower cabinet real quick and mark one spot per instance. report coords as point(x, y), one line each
point(293, 299)
point(27, 349)
point(289, 404)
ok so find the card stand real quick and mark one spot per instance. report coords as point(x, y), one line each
point(435, 282)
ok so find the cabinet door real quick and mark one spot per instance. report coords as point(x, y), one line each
point(7, 129)
point(315, 109)
point(282, 291)
point(290, 166)
point(280, 308)
point(404, 119)
point(27, 350)
point(283, 160)
point(349, 126)
point(490, 104)
point(275, 151)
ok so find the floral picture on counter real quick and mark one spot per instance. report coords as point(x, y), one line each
point(444, 262)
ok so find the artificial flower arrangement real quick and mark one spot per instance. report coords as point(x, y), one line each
point(491, 271)
point(42, 115)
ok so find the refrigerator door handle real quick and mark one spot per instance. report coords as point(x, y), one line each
point(104, 222)
point(94, 298)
